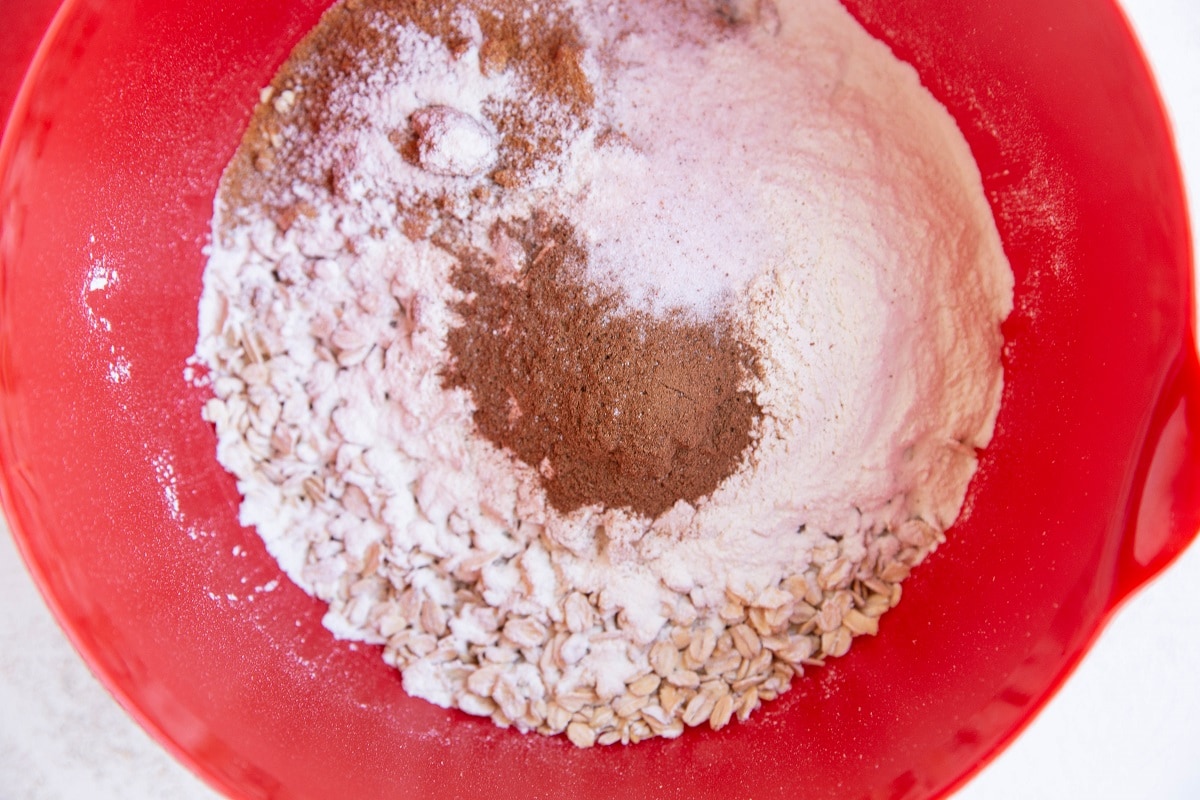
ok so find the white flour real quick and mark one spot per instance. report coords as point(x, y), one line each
point(790, 169)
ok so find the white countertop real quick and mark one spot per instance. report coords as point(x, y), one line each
point(1127, 724)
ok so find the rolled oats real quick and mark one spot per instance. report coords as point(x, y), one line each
point(664, 658)
point(858, 623)
point(684, 679)
point(746, 640)
point(722, 712)
point(581, 734)
point(698, 710)
point(645, 686)
point(631, 704)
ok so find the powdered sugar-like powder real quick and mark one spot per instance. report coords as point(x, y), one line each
point(776, 165)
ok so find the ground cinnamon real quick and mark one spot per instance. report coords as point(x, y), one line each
point(612, 406)
point(542, 51)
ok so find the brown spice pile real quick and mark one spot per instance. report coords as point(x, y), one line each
point(542, 50)
point(613, 407)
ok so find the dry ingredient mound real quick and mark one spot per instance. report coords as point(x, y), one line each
point(608, 365)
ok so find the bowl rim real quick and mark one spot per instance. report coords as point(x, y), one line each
point(1184, 388)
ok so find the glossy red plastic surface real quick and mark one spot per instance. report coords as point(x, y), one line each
point(107, 174)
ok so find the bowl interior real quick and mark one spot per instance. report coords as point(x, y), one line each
point(106, 185)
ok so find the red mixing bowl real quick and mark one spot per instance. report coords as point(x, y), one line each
point(107, 173)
